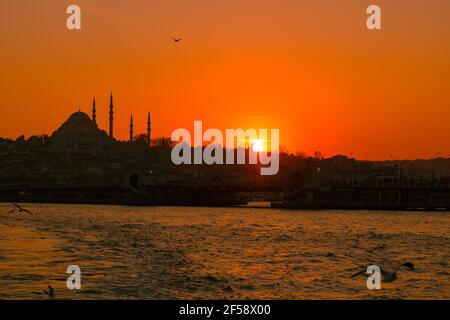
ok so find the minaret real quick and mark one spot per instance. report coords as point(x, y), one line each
point(94, 113)
point(131, 129)
point(149, 123)
point(111, 117)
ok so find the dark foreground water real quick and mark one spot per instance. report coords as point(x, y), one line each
point(219, 253)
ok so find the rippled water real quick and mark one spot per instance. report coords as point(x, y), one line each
point(219, 253)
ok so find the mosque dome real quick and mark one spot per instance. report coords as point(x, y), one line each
point(78, 123)
point(79, 130)
point(79, 118)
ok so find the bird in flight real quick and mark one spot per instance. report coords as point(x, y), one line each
point(176, 39)
point(19, 209)
point(50, 293)
point(389, 276)
point(1, 221)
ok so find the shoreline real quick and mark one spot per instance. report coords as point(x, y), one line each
point(273, 206)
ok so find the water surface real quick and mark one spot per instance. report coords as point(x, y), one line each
point(220, 253)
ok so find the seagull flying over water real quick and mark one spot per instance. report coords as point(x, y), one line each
point(50, 292)
point(1, 221)
point(19, 209)
point(176, 39)
point(389, 276)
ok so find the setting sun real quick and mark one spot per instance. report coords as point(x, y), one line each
point(257, 145)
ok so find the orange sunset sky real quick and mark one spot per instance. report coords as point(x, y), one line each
point(310, 68)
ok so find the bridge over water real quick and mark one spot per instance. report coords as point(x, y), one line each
point(351, 194)
point(156, 191)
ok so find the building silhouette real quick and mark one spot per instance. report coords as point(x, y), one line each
point(80, 131)
point(111, 117)
point(131, 128)
point(94, 112)
point(149, 123)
